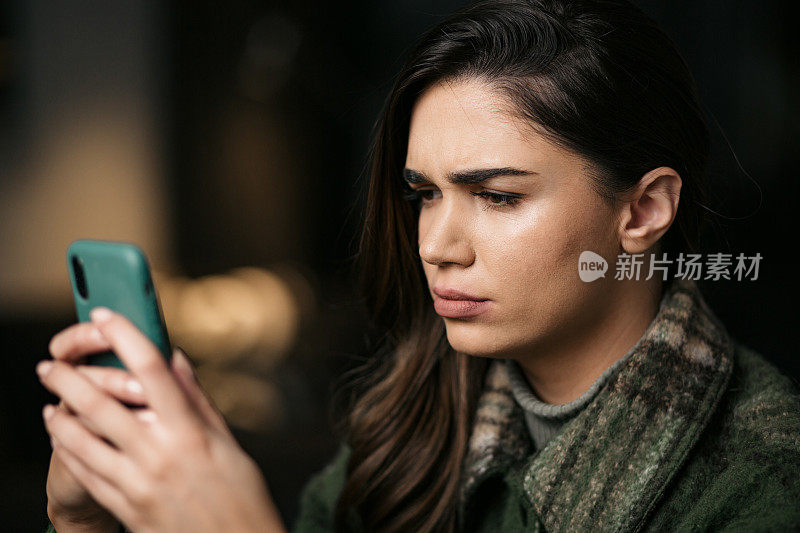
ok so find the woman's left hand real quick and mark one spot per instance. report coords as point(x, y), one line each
point(178, 468)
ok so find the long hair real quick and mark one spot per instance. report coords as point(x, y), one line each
point(597, 77)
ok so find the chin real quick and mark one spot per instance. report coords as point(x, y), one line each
point(472, 339)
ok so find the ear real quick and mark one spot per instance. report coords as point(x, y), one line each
point(647, 211)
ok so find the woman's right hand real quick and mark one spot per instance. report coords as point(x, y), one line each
point(69, 506)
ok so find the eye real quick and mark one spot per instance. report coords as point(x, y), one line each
point(494, 200)
point(420, 195)
point(497, 199)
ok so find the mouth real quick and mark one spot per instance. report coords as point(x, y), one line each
point(455, 294)
point(453, 303)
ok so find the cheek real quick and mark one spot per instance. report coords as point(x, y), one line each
point(539, 248)
point(429, 271)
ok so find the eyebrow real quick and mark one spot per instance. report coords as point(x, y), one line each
point(471, 176)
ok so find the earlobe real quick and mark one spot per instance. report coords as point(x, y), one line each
point(649, 209)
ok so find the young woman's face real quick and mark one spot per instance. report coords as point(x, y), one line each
point(512, 239)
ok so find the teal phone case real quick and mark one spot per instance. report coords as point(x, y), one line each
point(116, 275)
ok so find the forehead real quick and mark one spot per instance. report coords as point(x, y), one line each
point(467, 123)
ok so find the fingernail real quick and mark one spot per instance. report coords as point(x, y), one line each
point(134, 386)
point(186, 356)
point(43, 368)
point(147, 416)
point(53, 347)
point(48, 410)
point(186, 363)
point(100, 314)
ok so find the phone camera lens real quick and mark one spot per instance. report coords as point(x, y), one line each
point(80, 278)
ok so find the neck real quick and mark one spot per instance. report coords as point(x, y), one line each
point(563, 371)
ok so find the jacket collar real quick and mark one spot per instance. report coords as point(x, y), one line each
point(607, 467)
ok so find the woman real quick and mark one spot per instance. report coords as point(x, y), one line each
point(507, 394)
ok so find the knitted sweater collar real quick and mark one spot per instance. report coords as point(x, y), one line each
point(608, 466)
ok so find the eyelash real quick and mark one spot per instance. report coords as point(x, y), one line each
point(505, 200)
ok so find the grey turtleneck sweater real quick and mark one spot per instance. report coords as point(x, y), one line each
point(544, 420)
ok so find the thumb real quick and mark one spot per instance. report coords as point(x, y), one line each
point(187, 378)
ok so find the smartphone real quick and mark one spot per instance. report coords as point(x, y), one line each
point(116, 275)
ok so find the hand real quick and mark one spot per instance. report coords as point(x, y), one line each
point(69, 506)
point(175, 467)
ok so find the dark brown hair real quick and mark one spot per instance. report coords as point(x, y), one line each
point(597, 77)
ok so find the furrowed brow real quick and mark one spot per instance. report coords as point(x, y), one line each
point(468, 177)
point(414, 177)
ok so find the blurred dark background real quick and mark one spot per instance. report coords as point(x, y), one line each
point(229, 141)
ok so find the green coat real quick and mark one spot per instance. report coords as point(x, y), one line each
point(694, 432)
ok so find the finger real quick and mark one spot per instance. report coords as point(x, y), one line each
point(146, 416)
point(117, 382)
point(77, 341)
point(188, 380)
point(104, 460)
point(145, 361)
point(103, 492)
point(102, 414)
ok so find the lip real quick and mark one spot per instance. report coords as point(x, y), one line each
point(452, 303)
point(453, 294)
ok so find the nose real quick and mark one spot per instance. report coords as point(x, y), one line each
point(444, 235)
